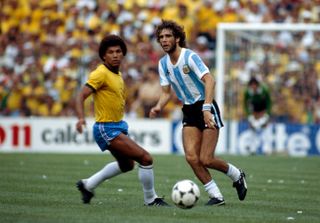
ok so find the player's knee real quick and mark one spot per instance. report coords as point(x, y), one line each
point(146, 159)
point(192, 159)
point(206, 161)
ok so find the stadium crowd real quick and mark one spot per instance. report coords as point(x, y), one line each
point(49, 46)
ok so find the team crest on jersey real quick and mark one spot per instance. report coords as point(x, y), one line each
point(186, 69)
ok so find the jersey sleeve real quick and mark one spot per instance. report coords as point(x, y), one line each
point(94, 80)
point(162, 69)
point(197, 65)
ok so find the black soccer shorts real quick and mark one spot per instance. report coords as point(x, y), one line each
point(193, 115)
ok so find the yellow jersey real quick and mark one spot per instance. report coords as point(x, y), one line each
point(109, 94)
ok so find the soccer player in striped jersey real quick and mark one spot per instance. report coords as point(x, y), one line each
point(110, 131)
point(184, 71)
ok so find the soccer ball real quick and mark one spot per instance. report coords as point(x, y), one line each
point(185, 194)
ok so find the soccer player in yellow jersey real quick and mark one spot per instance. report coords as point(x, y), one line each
point(106, 85)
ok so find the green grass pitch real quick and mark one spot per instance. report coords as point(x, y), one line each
point(41, 188)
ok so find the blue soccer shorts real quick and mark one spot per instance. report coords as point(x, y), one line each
point(105, 132)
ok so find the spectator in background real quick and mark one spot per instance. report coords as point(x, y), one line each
point(14, 97)
point(148, 92)
point(202, 49)
point(205, 21)
point(252, 13)
point(186, 20)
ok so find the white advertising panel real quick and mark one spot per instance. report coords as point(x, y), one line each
point(59, 135)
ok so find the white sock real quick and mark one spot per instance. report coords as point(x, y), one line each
point(233, 172)
point(213, 190)
point(145, 174)
point(107, 172)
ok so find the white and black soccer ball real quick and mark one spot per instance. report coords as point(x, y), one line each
point(185, 194)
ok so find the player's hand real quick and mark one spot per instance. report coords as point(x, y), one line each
point(80, 125)
point(208, 120)
point(154, 112)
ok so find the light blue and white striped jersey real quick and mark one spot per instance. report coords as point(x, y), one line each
point(185, 76)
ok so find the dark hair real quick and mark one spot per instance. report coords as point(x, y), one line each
point(253, 80)
point(177, 31)
point(111, 40)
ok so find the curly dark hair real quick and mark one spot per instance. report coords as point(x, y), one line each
point(177, 31)
point(111, 40)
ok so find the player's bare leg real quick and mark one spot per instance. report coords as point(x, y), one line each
point(209, 160)
point(192, 138)
point(123, 146)
point(125, 152)
point(208, 147)
point(191, 144)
